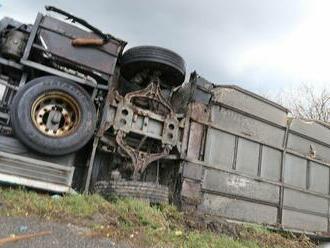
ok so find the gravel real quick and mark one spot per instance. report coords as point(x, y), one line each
point(62, 235)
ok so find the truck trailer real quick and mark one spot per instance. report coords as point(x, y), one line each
point(79, 113)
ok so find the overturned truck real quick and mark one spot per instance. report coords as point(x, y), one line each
point(79, 114)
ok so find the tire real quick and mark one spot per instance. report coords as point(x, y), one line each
point(64, 140)
point(170, 64)
point(150, 192)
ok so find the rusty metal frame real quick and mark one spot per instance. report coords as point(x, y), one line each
point(125, 117)
point(140, 160)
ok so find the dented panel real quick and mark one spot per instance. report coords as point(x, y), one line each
point(238, 209)
point(247, 126)
point(259, 167)
point(236, 185)
point(248, 102)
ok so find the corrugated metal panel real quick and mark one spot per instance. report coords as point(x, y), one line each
point(319, 178)
point(247, 157)
point(271, 163)
point(305, 201)
point(33, 173)
point(295, 171)
point(220, 149)
point(255, 129)
point(19, 165)
point(252, 156)
point(240, 186)
point(251, 103)
point(302, 221)
point(308, 148)
point(238, 209)
point(311, 129)
point(310, 138)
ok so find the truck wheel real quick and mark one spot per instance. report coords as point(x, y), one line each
point(53, 116)
point(150, 192)
point(151, 58)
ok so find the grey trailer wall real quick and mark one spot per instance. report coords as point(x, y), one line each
point(246, 160)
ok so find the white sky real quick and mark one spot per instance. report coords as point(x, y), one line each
point(302, 55)
point(261, 45)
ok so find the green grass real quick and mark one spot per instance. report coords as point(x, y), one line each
point(124, 219)
point(21, 202)
point(257, 228)
point(197, 239)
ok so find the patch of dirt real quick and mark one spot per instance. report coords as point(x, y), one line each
point(264, 237)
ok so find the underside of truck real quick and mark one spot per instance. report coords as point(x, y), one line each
point(84, 116)
point(80, 113)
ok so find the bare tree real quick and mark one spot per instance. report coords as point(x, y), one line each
point(306, 101)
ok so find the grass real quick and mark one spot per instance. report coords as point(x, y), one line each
point(21, 202)
point(129, 220)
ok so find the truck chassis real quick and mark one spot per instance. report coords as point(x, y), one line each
point(215, 149)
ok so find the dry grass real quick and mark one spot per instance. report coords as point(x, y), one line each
point(136, 222)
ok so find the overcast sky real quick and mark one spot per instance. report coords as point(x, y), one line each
point(261, 45)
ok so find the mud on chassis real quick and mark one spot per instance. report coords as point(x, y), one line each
point(140, 130)
point(65, 87)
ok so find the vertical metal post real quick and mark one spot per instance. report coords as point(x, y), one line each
point(91, 165)
point(33, 35)
point(260, 160)
point(157, 172)
point(308, 171)
point(235, 153)
point(280, 207)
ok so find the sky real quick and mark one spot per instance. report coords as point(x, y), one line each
point(260, 45)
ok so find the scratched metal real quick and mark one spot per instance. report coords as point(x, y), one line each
point(310, 139)
point(259, 168)
point(249, 102)
point(18, 161)
point(58, 35)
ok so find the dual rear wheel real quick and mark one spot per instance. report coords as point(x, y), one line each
point(53, 116)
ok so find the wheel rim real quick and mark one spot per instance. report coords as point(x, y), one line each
point(55, 114)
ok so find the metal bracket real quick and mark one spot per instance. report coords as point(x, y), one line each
point(140, 160)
